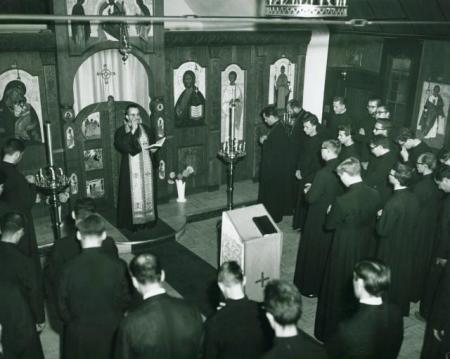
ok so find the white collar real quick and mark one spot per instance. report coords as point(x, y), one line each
point(154, 292)
point(372, 301)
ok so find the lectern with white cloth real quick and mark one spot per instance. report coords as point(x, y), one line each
point(258, 254)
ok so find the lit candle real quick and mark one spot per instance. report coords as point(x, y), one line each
point(48, 143)
point(243, 149)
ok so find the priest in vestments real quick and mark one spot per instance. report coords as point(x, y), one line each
point(274, 172)
point(136, 205)
point(352, 218)
point(315, 240)
point(397, 231)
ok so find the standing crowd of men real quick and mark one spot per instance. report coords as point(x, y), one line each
point(364, 188)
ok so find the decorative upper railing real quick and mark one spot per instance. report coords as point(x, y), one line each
point(306, 8)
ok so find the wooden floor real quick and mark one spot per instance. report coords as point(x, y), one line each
point(201, 238)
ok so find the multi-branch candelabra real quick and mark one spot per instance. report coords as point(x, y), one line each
point(231, 151)
point(51, 181)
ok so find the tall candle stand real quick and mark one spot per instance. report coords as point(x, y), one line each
point(231, 151)
point(51, 181)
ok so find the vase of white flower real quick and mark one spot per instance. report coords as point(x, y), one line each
point(180, 182)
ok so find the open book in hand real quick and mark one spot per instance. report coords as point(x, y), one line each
point(157, 144)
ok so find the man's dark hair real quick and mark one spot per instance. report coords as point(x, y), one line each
point(441, 173)
point(91, 225)
point(3, 177)
point(146, 268)
point(428, 159)
point(380, 140)
point(12, 222)
point(384, 108)
point(375, 99)
point(13, 145)
point(312, 120)
point(339, 99)
point(283, 300)
point(332, 145)
point(405, 134)
point(445, 156)
point(84, 207)
point(131, 105)
point(269, 110)
point(294, 103)
point(375, 275)
point(347, 129)
point(403, 173)
point(351, 166)
point(230, 273)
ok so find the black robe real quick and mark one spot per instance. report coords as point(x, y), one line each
point(19, 336)
point(301, 346)
point(377, 174)
point(374, 332)
point(430, 198)
point(337, 120)
point(441, 250)
point(93, 295)
point(352, 217)
point(439, 320)
point(397, 231)
point(413, 155)
point(128, 144)
point(363, 141)
point(315, 240)
point(20, 196)
point(239, 330)
point(64, 250)
point(310, 161)
point(275, 174)
point(162, 327)
point(349, 151)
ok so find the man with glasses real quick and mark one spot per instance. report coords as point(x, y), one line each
point(397, 231)
point(380, 164)
point(136, 205)
point(365, 129)
point(411, 146)
point(384, 127)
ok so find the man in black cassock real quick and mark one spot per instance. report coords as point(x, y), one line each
point(381, 162)
point(20, 194)
point(376, 328)
point(274, 172)
point(283, 306)
point(315, 240)
point(339, 117)
point(239, 329)
point(349, 147)
point(19, 337)
point(430, 198)
point(310, 161)
point(67, 248)
point(93, 295)
point(18, 269)
point(397, 231)
point(136, 204)
point(437, 334)
point(441, 250)
point(162, 326)
point(364, 130)
point(352, 218)
point(297, 137)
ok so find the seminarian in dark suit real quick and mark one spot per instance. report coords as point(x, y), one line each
point(380, 164)
point(397, 234)
point(315, 240)
point(239, 329)
point(352, 218)
point(283, 306)
point(430, 198)
point(375, 331)
point(67, 248)
point(349, 148)
point(93, 294)
point(162, 326)
point(23, 312)
point(340, 117)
